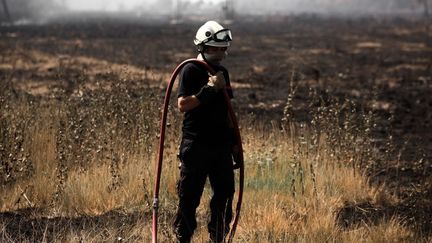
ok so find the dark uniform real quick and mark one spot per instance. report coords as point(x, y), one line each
point(205, 151)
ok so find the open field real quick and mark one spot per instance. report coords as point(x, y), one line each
point(335, 115)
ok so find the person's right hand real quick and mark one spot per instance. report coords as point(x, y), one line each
point(217, 81)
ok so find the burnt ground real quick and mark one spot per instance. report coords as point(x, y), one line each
point(30, 224)
point(383, 64)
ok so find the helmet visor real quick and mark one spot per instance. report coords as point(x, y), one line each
point(222, 35)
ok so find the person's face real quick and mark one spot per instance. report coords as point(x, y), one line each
point(215, 50)
point(216, 54)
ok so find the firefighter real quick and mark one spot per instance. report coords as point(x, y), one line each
point(207, 146)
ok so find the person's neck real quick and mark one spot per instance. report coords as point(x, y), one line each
point(201, 58)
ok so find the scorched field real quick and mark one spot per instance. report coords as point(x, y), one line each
point(335, 116)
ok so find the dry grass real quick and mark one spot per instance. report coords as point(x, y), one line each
point(78, 165)
point(86, 163)
point(295, 183)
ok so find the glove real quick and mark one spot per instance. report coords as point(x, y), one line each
point(236, 153)
point(217, 81)
point(209, 91)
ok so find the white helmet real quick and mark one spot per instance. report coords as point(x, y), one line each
point(213, 34)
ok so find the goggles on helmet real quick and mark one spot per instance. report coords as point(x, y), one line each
point(223, 35)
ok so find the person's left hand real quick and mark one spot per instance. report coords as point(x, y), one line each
point(237, 161)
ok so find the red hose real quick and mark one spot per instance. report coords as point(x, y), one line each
point(161, 149)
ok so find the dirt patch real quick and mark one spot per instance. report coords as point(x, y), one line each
point(415, 215)
point(31, 225)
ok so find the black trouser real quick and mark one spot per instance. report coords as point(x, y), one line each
point(200, 161)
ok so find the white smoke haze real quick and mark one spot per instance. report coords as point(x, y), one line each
point(345, 7)
point(46, 9)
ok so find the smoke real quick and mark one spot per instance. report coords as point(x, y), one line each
point(29, 9)
point(46, 9)
point(205, 7)
point(259, 7)
point(347, 7)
